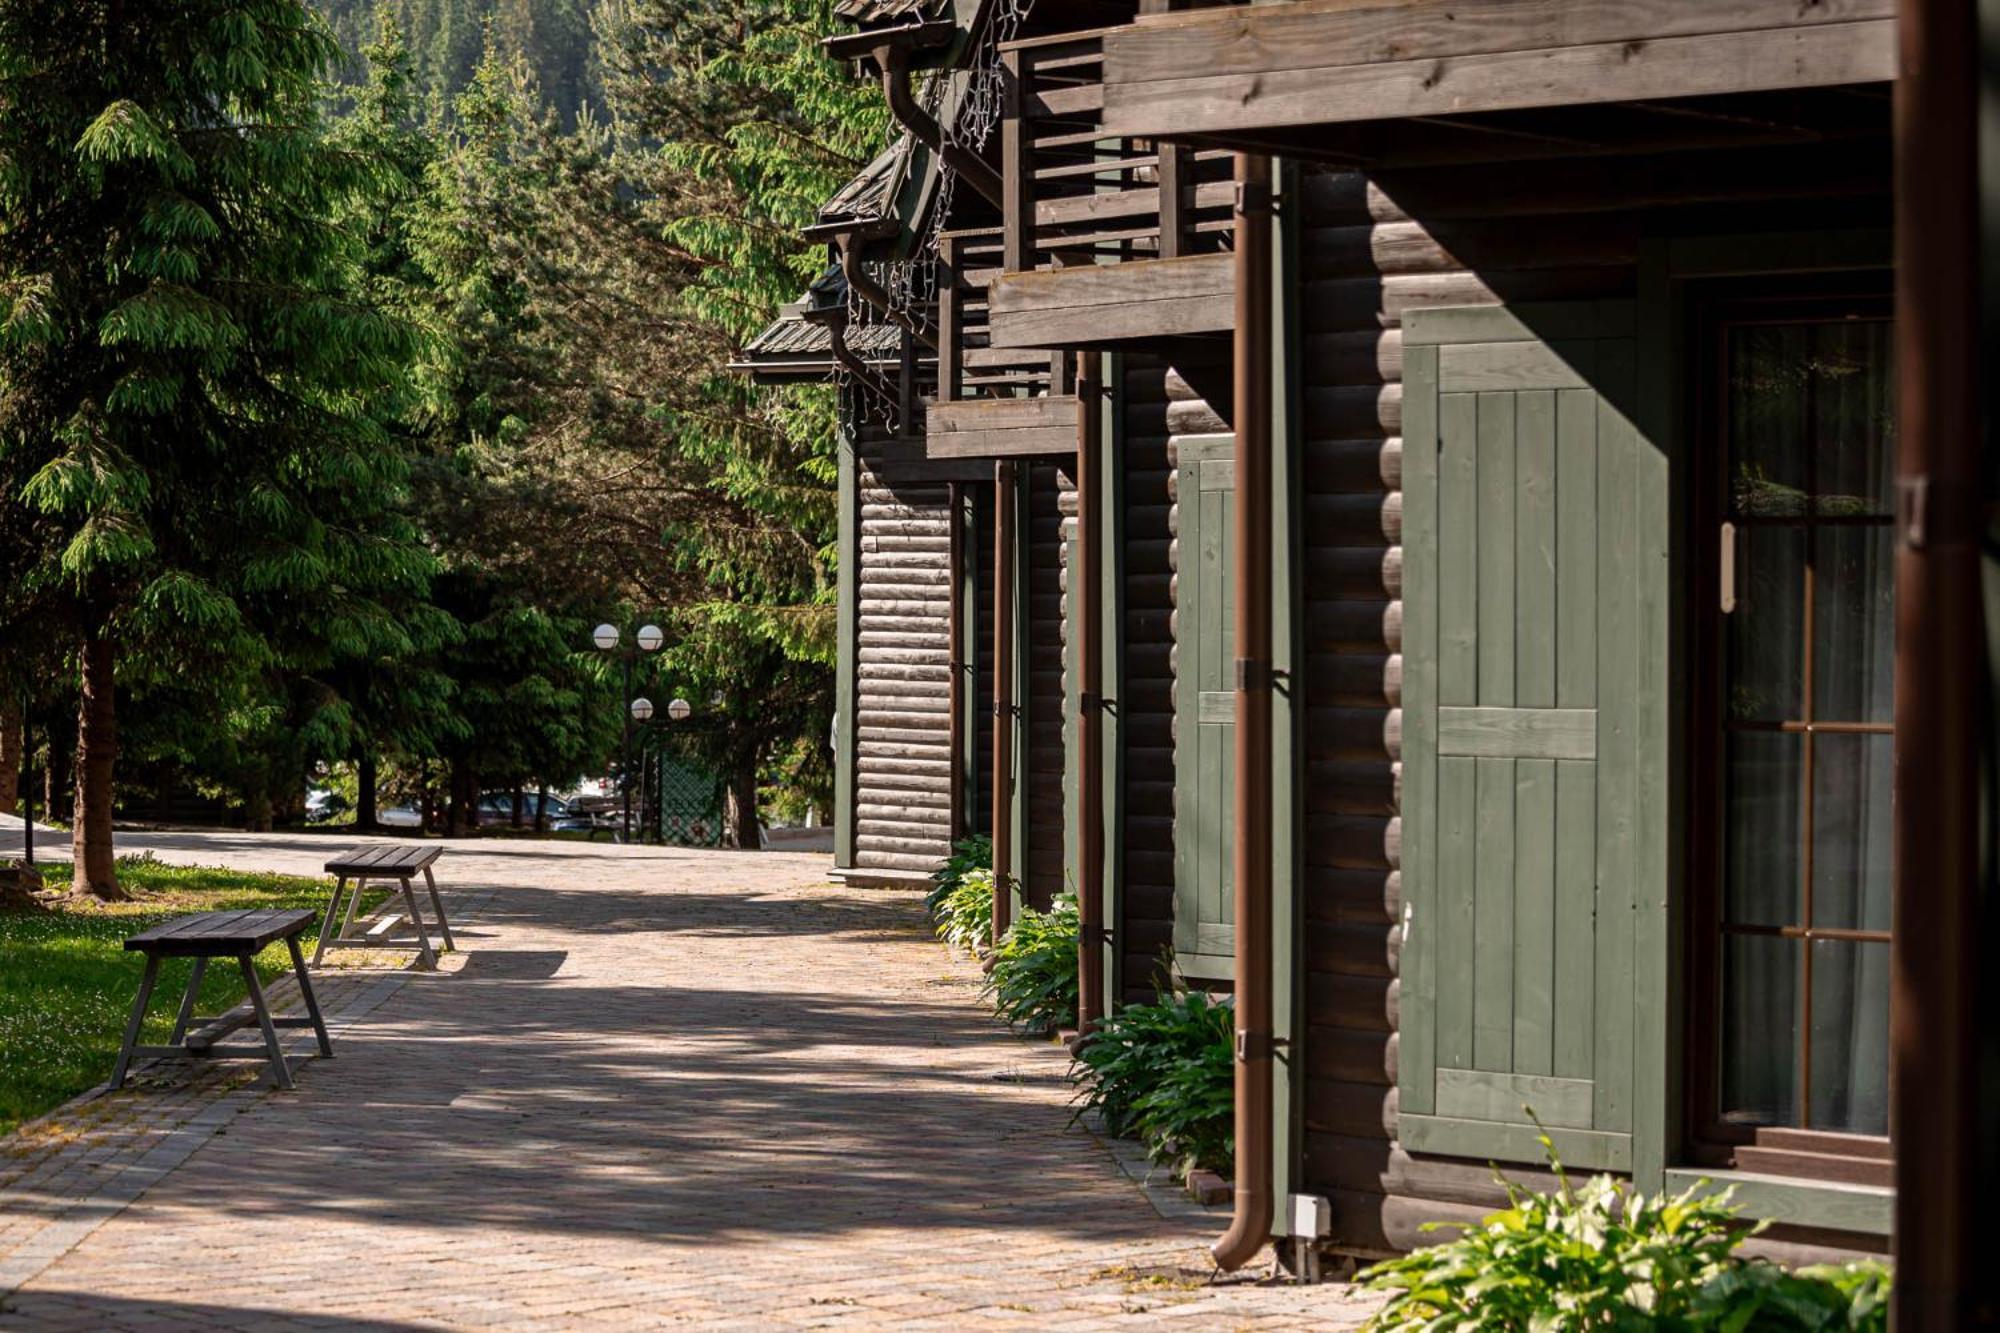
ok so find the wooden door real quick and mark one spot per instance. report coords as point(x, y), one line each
point(1205, 712)
point(1529, 651)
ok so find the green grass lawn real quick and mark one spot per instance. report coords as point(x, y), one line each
point(67, 982)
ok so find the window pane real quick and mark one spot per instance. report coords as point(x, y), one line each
point(1766, 878)
point(1768, 375)
point(1760, 1035)
point(1853, 416)
point(1767, 629)
point(1853, 777)
point(1850, 1037)
point(1854, 624)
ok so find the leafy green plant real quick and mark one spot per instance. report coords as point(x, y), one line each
point(1033, 981)
point(967, 854)
point(965, 917)
point(1164, 1074)
point(1604, 1256)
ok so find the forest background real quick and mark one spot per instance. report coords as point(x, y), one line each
point(536, 233)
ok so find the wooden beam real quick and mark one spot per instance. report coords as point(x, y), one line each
point(983, 428)
point(1223, 100)
point(1102, 304)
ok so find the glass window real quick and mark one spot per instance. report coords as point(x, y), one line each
point(1801, 723)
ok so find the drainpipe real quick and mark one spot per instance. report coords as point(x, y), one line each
point(1086, 594)
point(1003, 696)
point(863, 373)
point(874, 294)
point(1251, 1225)
point(1939, 1056)
point(895, 63)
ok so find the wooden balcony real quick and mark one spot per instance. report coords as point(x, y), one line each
point(1109, 239)
point(992, 402)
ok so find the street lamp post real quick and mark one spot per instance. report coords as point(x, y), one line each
point(649, 638)
point(642, 711)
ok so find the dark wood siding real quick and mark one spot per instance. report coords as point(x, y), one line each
point(1371, 251)
point(1145, 697)
point(1050, 506)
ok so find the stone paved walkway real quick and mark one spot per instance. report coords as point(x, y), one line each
point(658, 1088)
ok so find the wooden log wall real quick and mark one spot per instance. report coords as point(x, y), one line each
point(1145, 696)
point(1046, 521)
point(1373, 250)
point(1188, 414)
point(903, 772)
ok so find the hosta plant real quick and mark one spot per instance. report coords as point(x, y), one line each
point(1165, 1074)
point(1033, 981)
point(965, 917)
point(1603, 1256)
point(967, 854)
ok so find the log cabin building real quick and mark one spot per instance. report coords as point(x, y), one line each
point(1455, 560)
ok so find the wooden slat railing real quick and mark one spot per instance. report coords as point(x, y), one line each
point(1075, 195)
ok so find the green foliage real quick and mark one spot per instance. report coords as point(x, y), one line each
point(973, 853)
point(66, 980)
point(1033, 982)
point(1605, 1256)
point(1165, 1074)
point(964, 916)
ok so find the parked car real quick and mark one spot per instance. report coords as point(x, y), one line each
point(406, 815)
point(496, 810)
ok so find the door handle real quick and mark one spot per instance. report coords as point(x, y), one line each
point(1728, 568)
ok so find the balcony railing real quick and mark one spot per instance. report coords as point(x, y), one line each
point(991, 401)
point(1076, 195)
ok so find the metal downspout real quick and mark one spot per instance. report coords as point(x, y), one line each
point(873, 293)
point(1003, 696)
point(855, 366)
point(1251, 1225)
point(895, 63)
point(1087, 591)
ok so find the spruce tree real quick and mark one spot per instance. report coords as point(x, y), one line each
point(190, 436)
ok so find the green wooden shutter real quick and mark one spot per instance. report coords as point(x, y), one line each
point(1205, 711)
point(1525, 590)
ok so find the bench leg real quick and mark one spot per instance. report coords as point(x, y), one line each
point(137, 1021)
point(312, 1001)
point(424, 950)
point(353, 905)
point(326, 926)
point(450, 945)
point(279, 1070)
point(186, 1014)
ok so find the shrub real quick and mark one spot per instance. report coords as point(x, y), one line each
point(1604, 1256)
point(965, 917)
point(967, 854)
point(1033, 982)
point(1165, 1074)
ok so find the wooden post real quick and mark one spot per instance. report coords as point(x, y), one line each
point(1003, 695)
point(951, 319)
point(956, 653)
point(1939, 1046)
point(1173, 202)
point(1017, 167)
point(1086, 587)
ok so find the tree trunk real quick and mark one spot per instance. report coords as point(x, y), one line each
point(518, 813)
point(12, 745)
point(96, 751)
point(739, 809)
point(364, 792)
point(541, 807)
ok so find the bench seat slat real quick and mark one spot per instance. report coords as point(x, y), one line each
point(217, 933)
point(383, 860)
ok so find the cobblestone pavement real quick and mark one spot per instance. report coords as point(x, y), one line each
point(657, 1088)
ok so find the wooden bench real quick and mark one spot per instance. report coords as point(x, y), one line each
point(206, 935)
point(402, 864)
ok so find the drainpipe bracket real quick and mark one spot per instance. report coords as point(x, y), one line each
point(1255, 197)
point(1254, 674)
point(1258, 1046)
